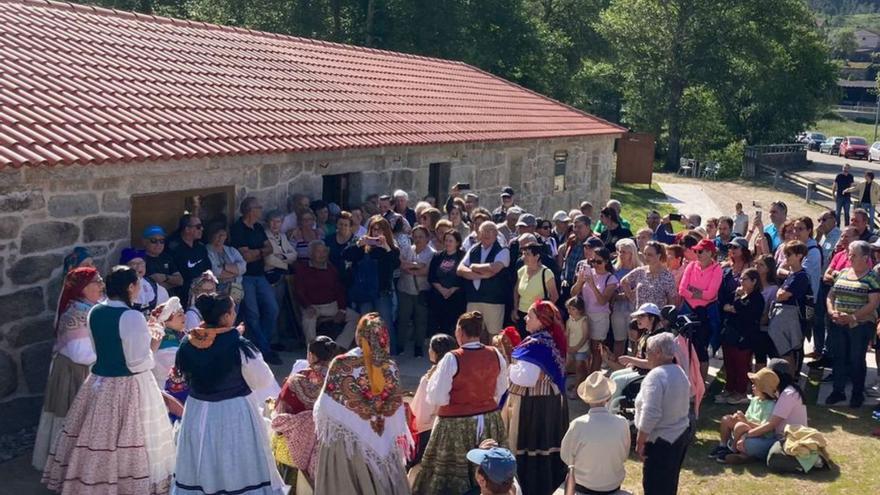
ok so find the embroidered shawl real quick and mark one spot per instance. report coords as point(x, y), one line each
point(540, 349)
point(307, 384)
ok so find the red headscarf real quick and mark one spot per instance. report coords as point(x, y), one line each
point(550, 318)
point(75, 282)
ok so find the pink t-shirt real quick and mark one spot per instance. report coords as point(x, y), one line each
point(839, 261)
point(602, 281)
point(791, 409)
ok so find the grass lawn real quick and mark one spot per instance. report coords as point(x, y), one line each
point(844, 128)
point(637, 201)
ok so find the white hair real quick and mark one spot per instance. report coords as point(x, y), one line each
point(613, 203)
point(663, 344)
point(315, 245)
point(400, 193)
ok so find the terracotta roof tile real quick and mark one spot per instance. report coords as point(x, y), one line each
point(81, 84)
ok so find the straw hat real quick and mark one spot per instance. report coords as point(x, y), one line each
point(596, 388)
point(766, 381)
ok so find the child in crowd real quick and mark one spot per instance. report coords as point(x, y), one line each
point(740, 221)
point(578, 336)
point(734, 426)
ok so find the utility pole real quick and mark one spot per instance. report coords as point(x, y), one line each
point(876, 116)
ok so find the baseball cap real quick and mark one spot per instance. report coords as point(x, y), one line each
point(647, 309)
point(706, 245)
point(526, 240)
point(507, 191)
point(497, 463)
point(561, 216)
point(594, 242)
point(741, 242)
point(527, 220)
point(516, 210)
point(129, 254)
point(153, 231)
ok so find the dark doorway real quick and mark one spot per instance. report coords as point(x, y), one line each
point(337, 189)
point(438, 181)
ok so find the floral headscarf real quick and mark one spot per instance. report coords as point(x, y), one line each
point(196, 290)
point(74, 258)
point(75, 282)
point(307, 384)
point(367, 382)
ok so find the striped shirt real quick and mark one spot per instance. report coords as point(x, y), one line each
point(851, 292)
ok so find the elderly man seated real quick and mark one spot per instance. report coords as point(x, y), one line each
point(597, 443)
point(320, 293)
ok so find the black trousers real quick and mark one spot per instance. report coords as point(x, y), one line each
point(663, 464)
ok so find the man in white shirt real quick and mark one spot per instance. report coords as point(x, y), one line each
point(597, 443)
point(489, 287)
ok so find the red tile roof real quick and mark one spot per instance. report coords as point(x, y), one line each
point(86, 85)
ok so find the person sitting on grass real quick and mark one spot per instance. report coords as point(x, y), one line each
point(734, 426)
point(577, 333)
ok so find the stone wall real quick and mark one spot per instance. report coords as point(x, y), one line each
point(46, 211)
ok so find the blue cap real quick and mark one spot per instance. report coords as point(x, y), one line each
point(129, 254)
point(497, 463)
point(153, 230)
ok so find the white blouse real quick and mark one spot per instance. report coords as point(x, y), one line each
point(440, 384)
point(135, 337)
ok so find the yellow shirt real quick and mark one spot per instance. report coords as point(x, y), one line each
point(576, 330)
point(532, 289)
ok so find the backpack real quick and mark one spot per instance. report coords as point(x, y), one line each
point(364, 280)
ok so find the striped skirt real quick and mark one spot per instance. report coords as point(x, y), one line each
point(444, 468)
point(65, 380)
point(537, 425)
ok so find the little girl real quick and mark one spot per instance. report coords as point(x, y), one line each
point(734, 426)
point(578, 336)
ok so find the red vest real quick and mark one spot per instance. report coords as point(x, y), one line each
point(473, 386)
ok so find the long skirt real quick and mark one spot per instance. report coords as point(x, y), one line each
point(223, 447)
point(342, 470)
point(537, 425)
point(65, 379)
point(116, 439)
point(445, 469)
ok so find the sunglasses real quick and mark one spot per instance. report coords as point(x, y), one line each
point(156, 241)
point(698, 251)
point(597, 262)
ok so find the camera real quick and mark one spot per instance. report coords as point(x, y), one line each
point(678, 324)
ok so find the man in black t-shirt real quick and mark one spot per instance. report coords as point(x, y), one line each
point(160, 265)
point(842, 182)
point(189, 254)
point(259, 307)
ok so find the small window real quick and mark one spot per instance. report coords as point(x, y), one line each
point(211, 205)
point(560, 158)
point(438, 181)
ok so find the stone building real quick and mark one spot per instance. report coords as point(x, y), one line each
point(119, 120)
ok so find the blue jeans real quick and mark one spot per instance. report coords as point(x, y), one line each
point(820, 323)
point(260, 311)
point(382, 304)
point(759, 447)
point(842, 204)
point(850, 346)
point(869, 207)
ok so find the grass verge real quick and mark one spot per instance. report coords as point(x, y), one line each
point(844, 128)
point(638, 200)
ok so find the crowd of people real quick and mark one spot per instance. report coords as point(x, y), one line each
point(161, 369)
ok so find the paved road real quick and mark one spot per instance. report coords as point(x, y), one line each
point(824, 167)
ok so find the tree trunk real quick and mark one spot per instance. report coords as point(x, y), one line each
point(371, 9)
point(336, 6)
point(673, 154)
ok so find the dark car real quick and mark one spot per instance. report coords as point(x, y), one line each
point(853, 147)
point(813, 140)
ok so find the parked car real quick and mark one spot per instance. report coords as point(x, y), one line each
point(853, 147)
point(874, 152)
point(830, 145)
point(813, 140)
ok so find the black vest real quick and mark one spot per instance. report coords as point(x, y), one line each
point(492, 290)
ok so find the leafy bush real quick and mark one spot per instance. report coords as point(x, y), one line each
point(730, 158)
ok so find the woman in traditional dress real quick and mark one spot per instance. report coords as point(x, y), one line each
point(223, 446)
point(360, 420)
point(537, 407)
point(167, 319)
point(466, 389)
point(73, 355)
point(294, 423)
point(80, 257)
point(117, 437)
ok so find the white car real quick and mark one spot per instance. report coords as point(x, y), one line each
point(874, 152)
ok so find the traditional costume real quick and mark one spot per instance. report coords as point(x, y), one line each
point(360, 420)
point(167, 351)
point(223, 445)
point(537, 406)
point(117, 438)
point(295, 443)
point(73, 355)
point(467, 388)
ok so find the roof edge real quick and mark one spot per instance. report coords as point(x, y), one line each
point(125, 14)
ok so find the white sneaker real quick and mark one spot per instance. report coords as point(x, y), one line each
point(873, 391)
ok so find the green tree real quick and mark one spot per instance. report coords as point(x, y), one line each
point(843, 43)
